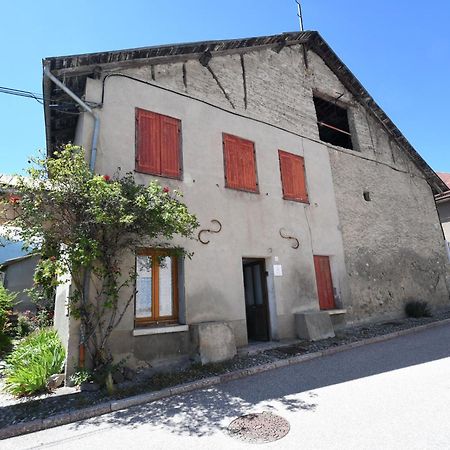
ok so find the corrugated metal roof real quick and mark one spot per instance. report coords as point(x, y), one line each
point(60, 127)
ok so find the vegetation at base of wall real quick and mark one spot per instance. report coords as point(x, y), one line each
point(31, 363)
point(85, 224)
point(81, 375)
point(7, 300)
point(417, 309)
point(25, 324)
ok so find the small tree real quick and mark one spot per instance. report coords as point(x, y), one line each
point(83, 224)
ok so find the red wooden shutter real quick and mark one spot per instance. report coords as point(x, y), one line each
point(240, 165)
point(324, 282)
point(231, 157)
point(170, 146)
point(293, 178)
point(248, 165)
point(148, 139)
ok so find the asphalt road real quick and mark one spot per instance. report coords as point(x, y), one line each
point(391, 395)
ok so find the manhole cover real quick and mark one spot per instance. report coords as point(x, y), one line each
point(259, 428)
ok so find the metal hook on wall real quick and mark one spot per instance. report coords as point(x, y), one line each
point(295, 245)
point(208, 230)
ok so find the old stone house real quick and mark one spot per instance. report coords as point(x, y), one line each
point(443, 207)
point(309, 197)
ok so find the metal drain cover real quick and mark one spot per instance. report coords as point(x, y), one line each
point(259, 428)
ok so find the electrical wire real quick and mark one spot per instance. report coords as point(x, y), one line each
point(54, 104)
point(20, 93)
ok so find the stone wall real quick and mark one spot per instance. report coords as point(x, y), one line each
point(383, 251)
point(393, 244)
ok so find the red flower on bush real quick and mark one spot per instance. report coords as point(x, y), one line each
point(14, 199)
point(106, 178)
point(166, 189)
point(52, 258)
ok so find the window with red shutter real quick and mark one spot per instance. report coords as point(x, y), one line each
point(240, 163)
point(293, 178)
point(158, 144)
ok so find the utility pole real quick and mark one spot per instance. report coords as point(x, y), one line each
point(299, 14)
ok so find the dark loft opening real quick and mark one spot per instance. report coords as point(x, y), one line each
point(332, 121)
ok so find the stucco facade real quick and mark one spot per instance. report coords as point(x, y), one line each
point(382, 252)
point(18, 277)
point(443, 206)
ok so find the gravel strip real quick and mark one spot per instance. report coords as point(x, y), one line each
point(13, 411)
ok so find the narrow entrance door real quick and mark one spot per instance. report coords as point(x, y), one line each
point(255, 287)
point(324, 282)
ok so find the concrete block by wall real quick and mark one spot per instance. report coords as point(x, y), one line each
point(213, 341)
point(314, 325)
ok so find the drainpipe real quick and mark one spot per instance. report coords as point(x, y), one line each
point(86, 276)
point(87, 109)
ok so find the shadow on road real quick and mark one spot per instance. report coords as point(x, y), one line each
point(199, 413)
point(204, 412)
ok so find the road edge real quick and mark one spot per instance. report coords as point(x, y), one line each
point(116, 405)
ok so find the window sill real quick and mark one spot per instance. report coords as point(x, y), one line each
point(160, 330)
point(298, 200)
point(249, 191)
point(159, 175)
point(335, 312)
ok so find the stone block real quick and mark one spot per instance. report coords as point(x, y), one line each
point(213, 341)
point(314, 325)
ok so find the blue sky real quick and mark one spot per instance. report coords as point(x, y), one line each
point(399, 50)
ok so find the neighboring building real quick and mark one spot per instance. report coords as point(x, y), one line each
point(443, 206)
point(18, 277)
point(445, 177)
point(16, 266)
point(316, 201)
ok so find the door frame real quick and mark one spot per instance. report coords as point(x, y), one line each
point(250, 261)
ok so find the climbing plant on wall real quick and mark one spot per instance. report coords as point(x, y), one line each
point(83, 224)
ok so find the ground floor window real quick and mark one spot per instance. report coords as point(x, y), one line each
point(156, 287)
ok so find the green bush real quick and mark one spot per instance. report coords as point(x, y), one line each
point(28, 367)
point(25, 324)
point(6, 305)
point(417, 308)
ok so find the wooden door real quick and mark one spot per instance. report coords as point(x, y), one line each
point(324, 282)
point(256, 309)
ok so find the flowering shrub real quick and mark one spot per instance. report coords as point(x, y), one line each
point(14, 200)
point(85, 224)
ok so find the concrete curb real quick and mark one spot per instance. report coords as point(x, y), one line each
point(116, 405)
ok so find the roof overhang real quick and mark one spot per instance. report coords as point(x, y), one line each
point(443, 198)
point(73, 70)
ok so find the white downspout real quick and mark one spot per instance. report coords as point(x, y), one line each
point(87, 272)
point(87, 109)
